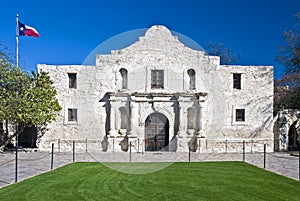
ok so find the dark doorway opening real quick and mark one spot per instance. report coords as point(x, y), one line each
point(156, 132)
point(293, 138)
point(27, 139)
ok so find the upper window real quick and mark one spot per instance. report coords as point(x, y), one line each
point(191, 73)
point(123, 73)
point(72, 80)
point(72, 114)
point(157, 79)
point(237, 80)
point(240, 115)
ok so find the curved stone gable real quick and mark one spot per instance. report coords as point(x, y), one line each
point(157, 37)
point(158, 45)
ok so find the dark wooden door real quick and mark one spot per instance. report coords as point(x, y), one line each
point(156, 132)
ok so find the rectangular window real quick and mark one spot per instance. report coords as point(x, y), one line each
point(237, 81)
point(72, 80)
point(240, 115)
point(157, 79)
point(191, 73)
point(72, 114)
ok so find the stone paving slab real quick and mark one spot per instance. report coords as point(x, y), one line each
point(34, 163)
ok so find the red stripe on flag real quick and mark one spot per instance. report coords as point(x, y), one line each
point(30, 32)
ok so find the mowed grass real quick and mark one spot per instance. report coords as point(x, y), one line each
point(179, 181)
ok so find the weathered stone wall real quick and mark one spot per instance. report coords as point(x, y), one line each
point(85, 98)
point(99, 87)
point(255, 96)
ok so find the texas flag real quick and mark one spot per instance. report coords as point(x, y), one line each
point(25, 30)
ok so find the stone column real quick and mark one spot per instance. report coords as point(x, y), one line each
point(182, 132)
point(117, 119)
point(182, 121)
point(132, 117)
point(112, 130)
point(200, 119)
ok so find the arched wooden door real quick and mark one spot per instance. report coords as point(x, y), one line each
point(156, 132)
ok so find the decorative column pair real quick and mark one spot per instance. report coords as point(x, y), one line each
point(115, 124)
point(183, 120)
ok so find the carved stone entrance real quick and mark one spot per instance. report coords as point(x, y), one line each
point(286, 130)
point(156, 132)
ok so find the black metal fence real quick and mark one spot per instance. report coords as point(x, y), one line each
point(16, 166)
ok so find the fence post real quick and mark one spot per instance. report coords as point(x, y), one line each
point(189, 155)
point(52, 151)
point(73, 151)
point(264, 156)
point(226, 145)
point(113, 145)
point(244, 150)
point(58, 145)
point(199, 145)
point(130, 152)
point(299, 160)
point(86, 145)
point(138, 150)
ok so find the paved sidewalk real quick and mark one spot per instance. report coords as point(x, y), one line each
point(34, 163)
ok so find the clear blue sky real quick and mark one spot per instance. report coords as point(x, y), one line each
point(71, 29)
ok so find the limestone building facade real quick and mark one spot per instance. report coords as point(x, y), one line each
point(161, 95)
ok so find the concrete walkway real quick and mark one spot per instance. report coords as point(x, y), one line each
point(34, 163)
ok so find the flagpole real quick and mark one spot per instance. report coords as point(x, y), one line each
point(17, 40)
point(17, 64)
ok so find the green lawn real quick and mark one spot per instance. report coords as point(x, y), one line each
point(179, 181)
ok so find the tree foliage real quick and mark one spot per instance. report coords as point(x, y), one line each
point(225, 54)
point(25, 99)
point(287, 92)
point(289, 53)
point(287, 89)
point(4, 53)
